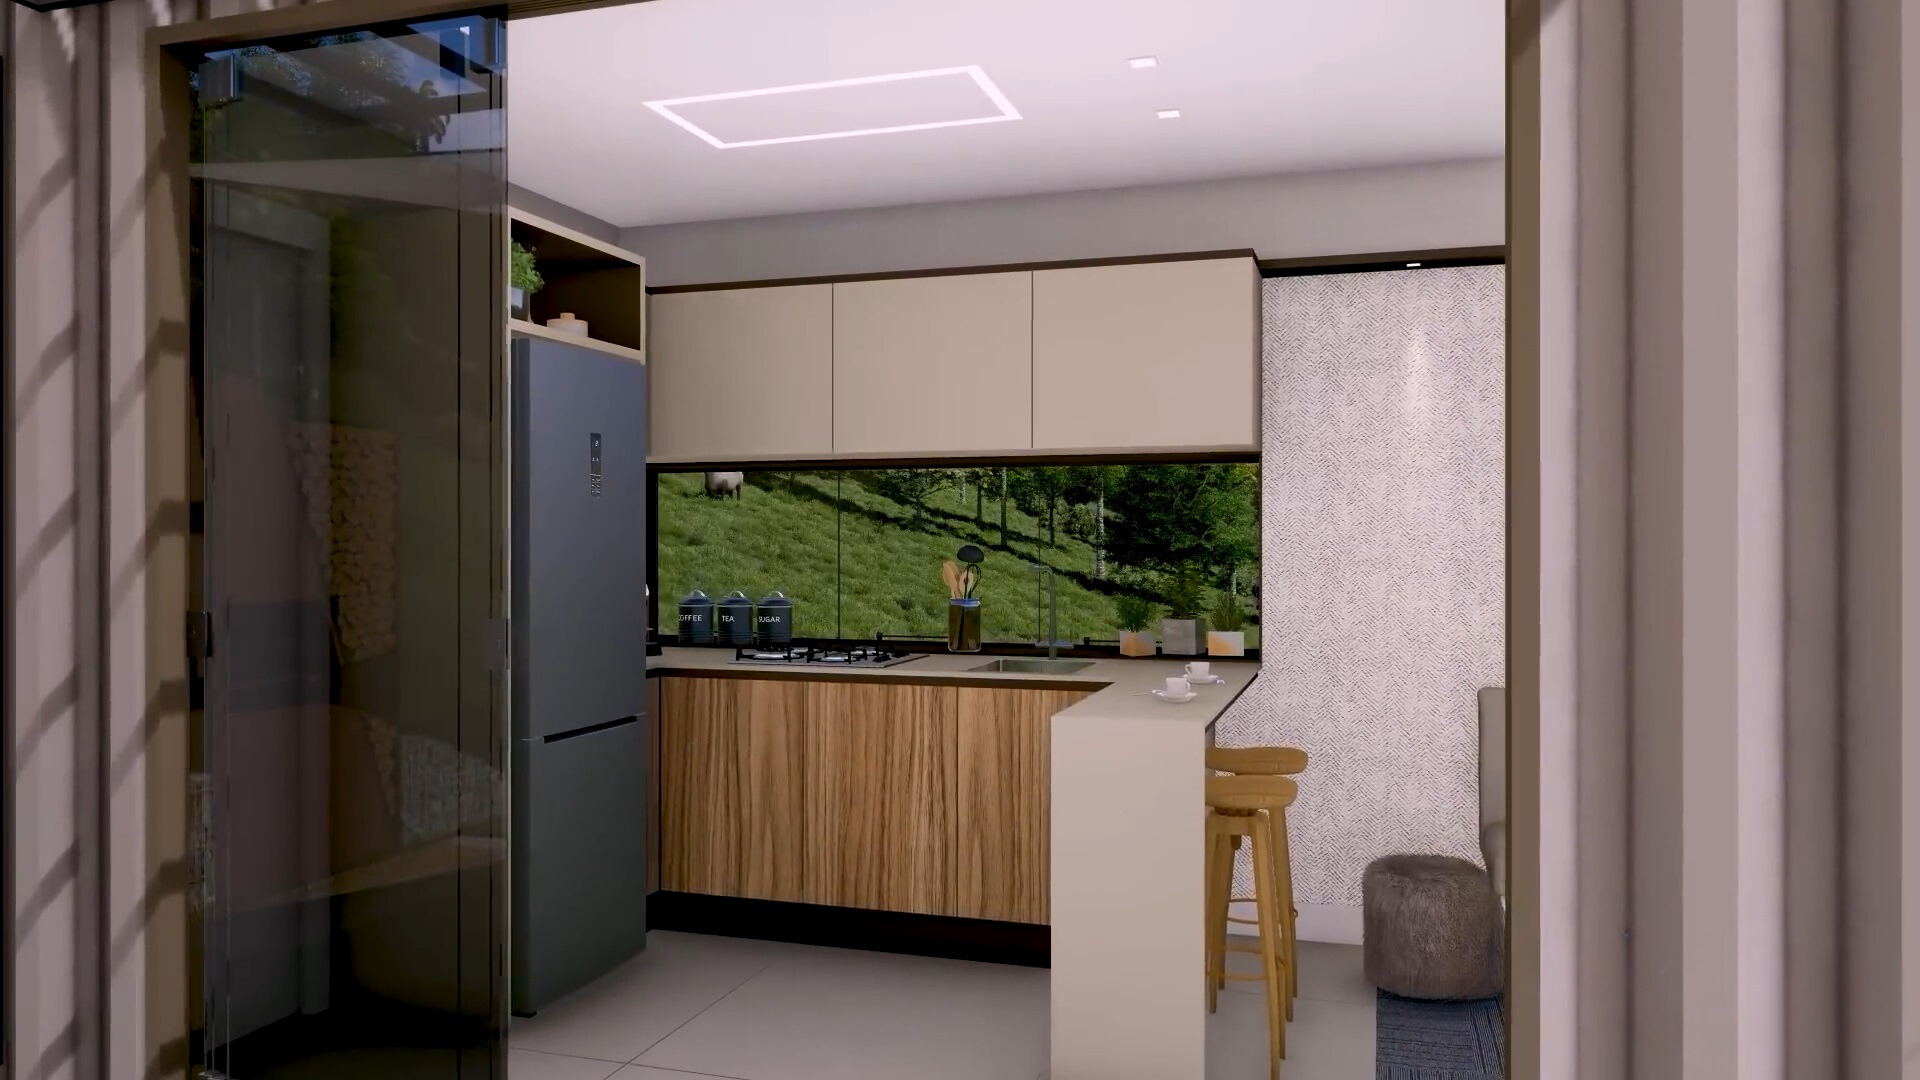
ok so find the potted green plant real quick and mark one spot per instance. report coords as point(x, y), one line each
point(1135, 614)
point(1184, 628)
point(1228, 636)
point(523, 280)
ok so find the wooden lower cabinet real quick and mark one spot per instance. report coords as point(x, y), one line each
point(932, 800)
point(731, 794)
point(1004, 787)
point(880, 796)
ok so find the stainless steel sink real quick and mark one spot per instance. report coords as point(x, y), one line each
point(1035, 667)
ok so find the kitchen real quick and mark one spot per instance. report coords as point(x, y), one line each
point(958, 561)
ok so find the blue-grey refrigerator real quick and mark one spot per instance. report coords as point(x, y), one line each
point(579, 617)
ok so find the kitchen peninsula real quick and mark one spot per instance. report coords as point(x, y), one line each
point(1070, 800)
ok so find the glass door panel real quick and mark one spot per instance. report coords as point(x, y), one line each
point(349, 253)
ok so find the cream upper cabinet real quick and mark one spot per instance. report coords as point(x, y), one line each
point(741, 374)
point(1161, 355)
point(933, 365)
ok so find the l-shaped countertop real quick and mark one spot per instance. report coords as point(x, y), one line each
point(1122, 687)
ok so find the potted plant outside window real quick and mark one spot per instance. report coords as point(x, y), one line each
point(523, 281)
point(1184, 628)
point(1228, 637)
point(1135, 614)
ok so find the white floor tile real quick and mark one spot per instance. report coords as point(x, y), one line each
point(531, 1065)
point(1328, 1040)
point(621, 1015)
point(843, 1015)
point(699, 1008)
point(1328, 972)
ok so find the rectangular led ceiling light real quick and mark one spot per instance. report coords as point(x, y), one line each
point(873, 105)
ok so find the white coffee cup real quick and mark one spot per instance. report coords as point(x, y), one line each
point(1198, 670)
point(1178, 687)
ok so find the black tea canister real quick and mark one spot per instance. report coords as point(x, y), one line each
point(735, 613)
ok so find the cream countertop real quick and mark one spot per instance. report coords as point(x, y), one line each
point(1121, 687)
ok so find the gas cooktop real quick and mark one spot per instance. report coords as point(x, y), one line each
point(860, 656)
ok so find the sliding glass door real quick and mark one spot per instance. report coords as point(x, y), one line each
point(350, 843)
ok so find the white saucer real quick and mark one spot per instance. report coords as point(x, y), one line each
point(1182, 699)
point(1204, 680)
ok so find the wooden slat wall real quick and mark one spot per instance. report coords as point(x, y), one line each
point(97, 535)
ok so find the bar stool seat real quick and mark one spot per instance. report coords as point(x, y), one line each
point(1265, 761)
point(1254, 807)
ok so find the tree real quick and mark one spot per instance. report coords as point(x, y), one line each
point(981, 479)
point(1039, 491)
point(1087, 487)
point(1005, 487)
point(1169, 516)
point(911, 487)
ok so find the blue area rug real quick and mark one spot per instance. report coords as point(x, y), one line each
point(1438, 1040)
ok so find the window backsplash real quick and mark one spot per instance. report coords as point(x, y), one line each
point(859, 552)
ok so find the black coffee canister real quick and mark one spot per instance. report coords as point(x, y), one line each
point(774, 620)
point(696, 619)
point(735, 613)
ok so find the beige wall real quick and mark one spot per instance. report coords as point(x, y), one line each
point(1279, 217)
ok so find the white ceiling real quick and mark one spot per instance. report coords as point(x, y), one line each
point(1263, 87)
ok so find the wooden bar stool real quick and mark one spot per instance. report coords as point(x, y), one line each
point(1254, 807)
point(1265, 761)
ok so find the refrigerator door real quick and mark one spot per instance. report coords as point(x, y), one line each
point(579, 780)
point(580, 537)
point(580, 861)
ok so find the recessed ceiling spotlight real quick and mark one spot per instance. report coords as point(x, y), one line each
point(1140, 62)
point(1168, 114)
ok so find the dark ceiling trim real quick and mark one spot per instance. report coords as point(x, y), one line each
point(1425, 259)
point(955, 271)
point(527, 9)
point(55, 5)
point(1014, 461)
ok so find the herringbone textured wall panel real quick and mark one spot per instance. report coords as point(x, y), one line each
point(1383, 580)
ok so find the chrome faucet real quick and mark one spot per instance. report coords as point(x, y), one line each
point(1053, 610)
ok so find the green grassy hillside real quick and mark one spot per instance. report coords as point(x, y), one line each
point(799, 532)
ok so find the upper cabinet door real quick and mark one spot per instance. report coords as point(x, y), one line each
point(742, 374)
point(934, 365)
point(1147, 356)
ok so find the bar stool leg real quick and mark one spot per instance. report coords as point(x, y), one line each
point(1222, 870)
point(1284, 873)
point(1267, 903)
point(1217, 851)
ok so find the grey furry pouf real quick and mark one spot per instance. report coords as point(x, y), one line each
point(1433, 928)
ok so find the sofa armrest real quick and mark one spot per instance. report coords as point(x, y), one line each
point(1493, 846)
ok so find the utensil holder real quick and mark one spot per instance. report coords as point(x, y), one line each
point(963, 626)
